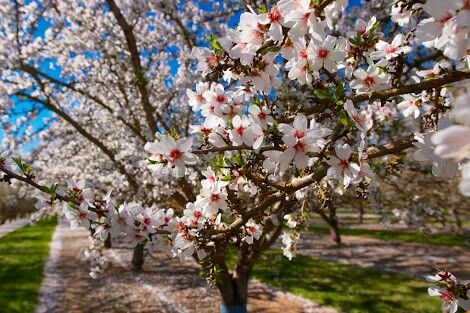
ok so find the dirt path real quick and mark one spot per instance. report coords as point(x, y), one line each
point(165, 286)
point(409, 257)
point(10, 226)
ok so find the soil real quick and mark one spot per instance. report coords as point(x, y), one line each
point(165, 285)
point(414, 258)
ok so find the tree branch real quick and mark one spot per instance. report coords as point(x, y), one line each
point(138, 69)
point(84, 133)
point(413, 88)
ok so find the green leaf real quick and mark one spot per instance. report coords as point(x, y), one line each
point(263, 9)
point(174, 133)
point(25, 168)
point(237, 160)
point(256, 101)
point(219, 162)
point(339, 92)
point(268, 49)
point(321, 94)
point(52, 189)
point(17, 161)
point(226, 177)
point(214, 43)
point(343, 118)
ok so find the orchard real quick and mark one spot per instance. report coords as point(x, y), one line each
point(206, 128)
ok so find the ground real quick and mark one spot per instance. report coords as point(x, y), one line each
point(359, 277)
point(165, 285)
point(413, 258)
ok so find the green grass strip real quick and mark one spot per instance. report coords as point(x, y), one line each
point(349, 288)
point(23, 254)
point(404, 236)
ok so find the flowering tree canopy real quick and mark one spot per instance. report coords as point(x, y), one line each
point(300, 97)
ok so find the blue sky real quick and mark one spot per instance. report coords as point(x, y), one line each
point(43, 25)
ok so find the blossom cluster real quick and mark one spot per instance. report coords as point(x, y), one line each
point(451, 292)
point(296, 96)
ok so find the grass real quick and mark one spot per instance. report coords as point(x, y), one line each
point(22, 257)
point(349, 288)
point(404, 236)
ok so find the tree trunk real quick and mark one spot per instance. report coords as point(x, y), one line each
point(107, 242)
point(361, 214)
point(138, 258)
point(234, 292)
point(333, 225)
point(334, 231)
point(458, 222)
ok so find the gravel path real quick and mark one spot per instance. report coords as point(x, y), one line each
point(413, 258)
point(10, 226)
point(166, 285)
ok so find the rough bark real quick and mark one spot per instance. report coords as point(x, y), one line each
point(334, 231)
point(233, 287)
point(361, 214)
point(138, 258)
point(107, 242)
point(333, 224)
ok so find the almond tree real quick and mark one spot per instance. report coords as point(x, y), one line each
point(301, 97)
point(75, 68)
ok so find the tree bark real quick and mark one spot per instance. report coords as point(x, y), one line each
point(334, 226)
point(107, 242)
point(334, 231)
point(361, 214)
point(234, 291)
point(138, 258)
point(458, 222)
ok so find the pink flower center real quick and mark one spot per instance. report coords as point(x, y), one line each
point(147, 221)
point(240, 130)
point(446, 17)
point(181, 227)
point(215, 197)
point(274, 15)
point(220, 98)
point(199, 98)
point(369, 81)
point(390, 49)
point(82, 215)
point(175, 154)
point(446, 296)
point(211, 60)
point(262, 115)
point(303, 54)
point(257, 34)
point(362, 30)
point(206, 131)
point(298, 134)
point(322, 53)
point(197, 214)
point(306, 17)
point(344, 164)
point(299, 146)
point(251, 229)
